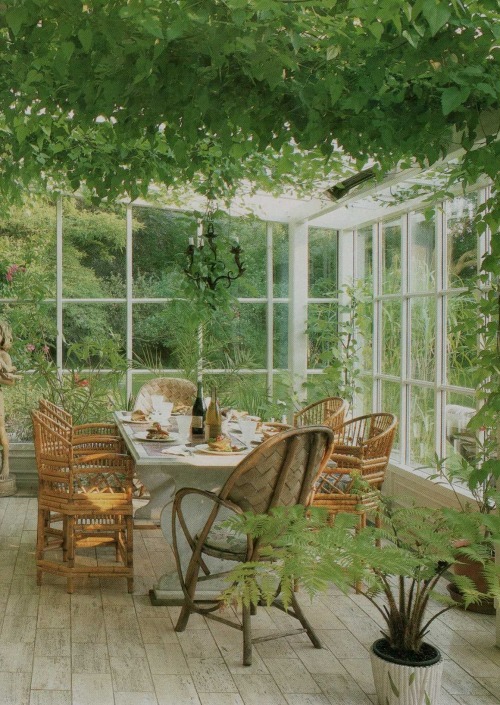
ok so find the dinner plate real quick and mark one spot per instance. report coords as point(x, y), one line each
point(143, 436)
point(126, 418)
point(205, 449)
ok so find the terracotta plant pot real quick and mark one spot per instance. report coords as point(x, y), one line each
point(474, 571)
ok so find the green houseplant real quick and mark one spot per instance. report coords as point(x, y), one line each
point(399, 580)
point(476, 474)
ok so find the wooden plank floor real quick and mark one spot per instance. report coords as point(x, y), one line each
point(101, 646)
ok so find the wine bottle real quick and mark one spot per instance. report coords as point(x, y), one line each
point(213, 418)
point(199, 412)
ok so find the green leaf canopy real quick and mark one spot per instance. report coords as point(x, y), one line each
point(119, 94)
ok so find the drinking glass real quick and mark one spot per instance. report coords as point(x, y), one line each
point(247, 428)
point(184, 427)
point(166, 408)
point(156, 401)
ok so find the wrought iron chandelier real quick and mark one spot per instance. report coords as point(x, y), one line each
point(204, 266)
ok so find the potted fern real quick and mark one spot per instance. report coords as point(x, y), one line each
point(399, 580)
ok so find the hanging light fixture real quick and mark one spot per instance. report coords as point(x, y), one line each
point(204, 267)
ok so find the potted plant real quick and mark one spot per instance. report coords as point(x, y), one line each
point(399, 580)
point(477, 475)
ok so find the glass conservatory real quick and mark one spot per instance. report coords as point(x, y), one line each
point(361, 298)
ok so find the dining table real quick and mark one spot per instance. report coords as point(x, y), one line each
point(163, 467)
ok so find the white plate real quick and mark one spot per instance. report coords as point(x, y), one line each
point(126, 418)
point(143, 436)
point(205, 449)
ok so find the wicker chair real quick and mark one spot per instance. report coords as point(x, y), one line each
point(280, 472)
point(84, 436)
point(181, 392)
point(362, 450)
point(91, 493)
point(326, 412)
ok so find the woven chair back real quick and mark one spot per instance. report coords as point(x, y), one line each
point(52, 439)
point(329, 412)
point(375, 432)
point(85, 479)
point(281, 471)
point(56, 412)
point(181, 392)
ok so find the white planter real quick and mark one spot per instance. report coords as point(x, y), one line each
point(396, 684)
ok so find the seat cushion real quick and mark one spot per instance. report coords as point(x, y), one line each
point(224, 540)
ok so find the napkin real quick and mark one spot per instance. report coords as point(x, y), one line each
point(177, 450)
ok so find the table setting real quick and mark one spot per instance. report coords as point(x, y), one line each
point(183, 459)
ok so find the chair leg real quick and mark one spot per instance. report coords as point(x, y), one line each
point(183, 618)
point(40, 535)
point(65, 538)
point(247, 636)
point(305, 622)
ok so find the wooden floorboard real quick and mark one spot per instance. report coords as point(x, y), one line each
point(102, 645)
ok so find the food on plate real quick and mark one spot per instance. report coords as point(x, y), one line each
point(222, 444)
point(181, 409)
point(271, 428)
point(156, 433)
point(138, 415)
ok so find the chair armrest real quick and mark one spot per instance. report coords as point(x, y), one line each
point(97, 444)
point(346, 449)
point(345, 461)
point(105, 429)
point(102, 459)
point(180, 494)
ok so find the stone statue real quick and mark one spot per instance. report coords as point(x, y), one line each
point(7, 377)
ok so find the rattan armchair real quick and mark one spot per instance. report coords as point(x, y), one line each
point(280, 472)
point(92, 435)
point(330, 412)
point(361, 454)
point(90, 493)
point(181, 392)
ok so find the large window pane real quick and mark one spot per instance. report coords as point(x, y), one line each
point(247, 392)
point(318, 387)
point(461, 344)
point(364, 333)
point(460, 442)
point(94, 242)
point(163, 337)
point(423, 338)
point(160, 239)
point(364, 253)
point(462, 240)
point(239, 342)
point(422, 426)
point(102, 326)
point(391, 403)
point(364, 398)
point(391, 257)
point(323, 260)
point(253, 242)
point(280, 259)
point(322, 334)
point(422, 270)
point(391, 337)
point(280, 340)
point(33, 351)
point(28, 250)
